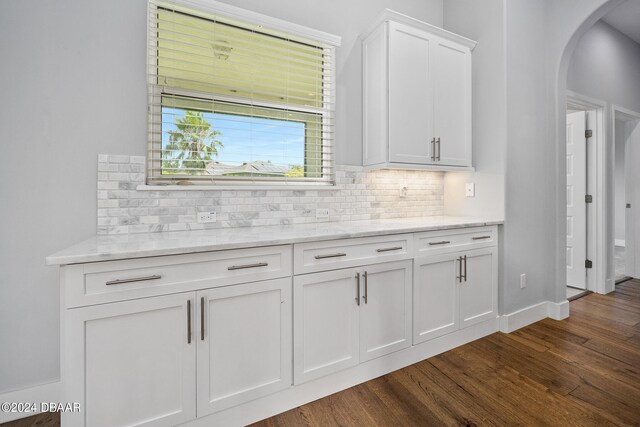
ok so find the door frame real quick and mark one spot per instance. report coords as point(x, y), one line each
point(627, 115)
point(597, 249)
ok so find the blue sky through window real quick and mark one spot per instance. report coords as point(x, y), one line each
point(248, 139)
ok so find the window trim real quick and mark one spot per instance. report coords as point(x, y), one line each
point(156, 91)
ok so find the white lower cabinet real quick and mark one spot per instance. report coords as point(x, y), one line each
point(385, 310)
point(479, 288)
point(134, 362)
point(453, 291)
point(244, 343)
point(131, 363)
point(344, 317)
point(137, 358)
point(435, 297)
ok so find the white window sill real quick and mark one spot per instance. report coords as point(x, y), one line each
point(282, 187)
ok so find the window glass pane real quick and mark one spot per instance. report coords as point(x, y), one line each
point(221, 139)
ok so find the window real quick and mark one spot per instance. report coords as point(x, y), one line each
point(233, 102)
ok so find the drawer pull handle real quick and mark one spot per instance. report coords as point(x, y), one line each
point(330, 255)
point(366, 288)
point(134, 279)
point(202, 319)
point(480, 237)
point(242, 267)
point(465, 267)
point(395, 248)
point(188, 321)
point(443, 242)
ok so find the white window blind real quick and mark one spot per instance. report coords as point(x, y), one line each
point(232, 101)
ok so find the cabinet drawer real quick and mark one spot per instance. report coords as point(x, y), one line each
point(455, 240)
point(97, 283)
point(334, 254)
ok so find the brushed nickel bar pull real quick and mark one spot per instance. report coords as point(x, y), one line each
point(433, 150)
point(459, 277)
point(366, 290)
point(438, 143)
point(330, 255)
point(242, 267)
point(443, 242)
point(358, 288)
point(480, 237)
point(202, 319)
point(188, 321)
point(134, 279)
point(465, 268)
point(395, 248)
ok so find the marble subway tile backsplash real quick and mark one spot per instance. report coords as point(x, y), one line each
point(357, 195)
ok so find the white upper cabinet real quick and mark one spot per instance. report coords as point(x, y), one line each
point(410, 92)
point(416, 96)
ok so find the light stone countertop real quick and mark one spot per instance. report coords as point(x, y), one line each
point(126, 246)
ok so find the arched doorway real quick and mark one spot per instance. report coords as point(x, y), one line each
point(576, 27)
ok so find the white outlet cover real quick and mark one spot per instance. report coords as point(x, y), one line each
point(207, 217)
point(470, 189)
point(523, 281)
point(322, 213)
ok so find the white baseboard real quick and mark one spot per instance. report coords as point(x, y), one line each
point(558, 310)
point(609, 286)
point(523, 317)
point(534, 313)
point(620, 242)
point(41, 393)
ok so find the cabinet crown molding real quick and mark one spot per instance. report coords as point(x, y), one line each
point(392, 15)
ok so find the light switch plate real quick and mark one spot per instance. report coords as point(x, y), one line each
point(470, 189)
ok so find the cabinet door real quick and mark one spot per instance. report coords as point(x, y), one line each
point(132, 361)
point(244, 343)
point(385, 309)
point(478, 293)
point(325, 323)
point(435, 296)
point(410, 95)
point(452, 102)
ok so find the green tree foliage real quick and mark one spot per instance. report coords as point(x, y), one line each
point(295, 171)
point(191, 146)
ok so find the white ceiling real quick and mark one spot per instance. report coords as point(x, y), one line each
point(626, 19)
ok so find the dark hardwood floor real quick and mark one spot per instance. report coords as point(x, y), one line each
point(582, 371)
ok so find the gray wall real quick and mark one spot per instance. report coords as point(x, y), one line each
point(606, 66)
point(528, 238)
point(73, 84)
point(482, 21)
point(72, 87)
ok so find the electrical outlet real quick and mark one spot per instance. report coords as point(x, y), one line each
point(322, 213)
point(207, 217)
point(523, 281)
point(470, 189)
point(403, 191)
